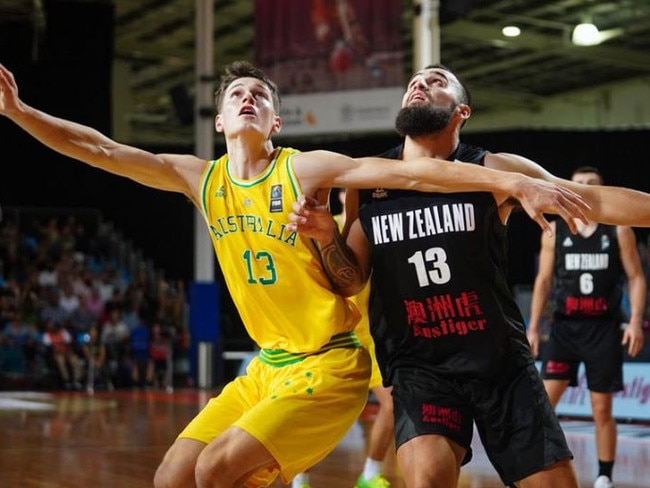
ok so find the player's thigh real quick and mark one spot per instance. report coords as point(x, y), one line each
point(555, 389)
point(604, 360)
point(561, 356)
point(234, 456)
point(425, 403)
point(518, 426)
point(222, 411)
point(430, 460)
point(309, 408)
point(177, 466)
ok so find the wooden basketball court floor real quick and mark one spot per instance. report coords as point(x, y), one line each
point(116, 439)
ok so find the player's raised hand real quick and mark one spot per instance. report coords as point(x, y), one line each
point(539, 197)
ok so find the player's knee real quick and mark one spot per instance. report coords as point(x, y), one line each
point(159, 478)
point(212, 467)
point(204, 471)
point(601, 413)
point(163, 477)
point(173, 473)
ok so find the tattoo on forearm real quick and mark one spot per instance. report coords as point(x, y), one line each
point(339, 263)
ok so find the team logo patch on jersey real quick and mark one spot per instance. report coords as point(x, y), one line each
point(604, 242)
point(567, 242)
point(276, 199)
point(221, 192)
point(379, 193)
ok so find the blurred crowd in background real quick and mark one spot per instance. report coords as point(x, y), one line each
point(73, 316)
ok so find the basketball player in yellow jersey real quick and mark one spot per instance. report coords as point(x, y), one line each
point(310, 381)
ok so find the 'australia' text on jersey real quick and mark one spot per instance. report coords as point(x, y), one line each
point(253, 223)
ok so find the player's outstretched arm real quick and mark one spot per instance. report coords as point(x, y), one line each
point(538, 197)
point(615, 205)
point(88, 145)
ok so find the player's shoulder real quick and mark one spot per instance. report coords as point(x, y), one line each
point(470, 153)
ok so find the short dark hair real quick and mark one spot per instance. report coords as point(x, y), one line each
point(465, 96)
point(588, 169)
point(244, 69)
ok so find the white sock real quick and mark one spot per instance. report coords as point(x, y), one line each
point(371, 469)
point(300, 479)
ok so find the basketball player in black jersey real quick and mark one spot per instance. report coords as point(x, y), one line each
point(583, 273)
point(449, 336)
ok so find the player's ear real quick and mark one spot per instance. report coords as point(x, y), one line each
point(277, 124)
point(218, 124)
point(465, 111)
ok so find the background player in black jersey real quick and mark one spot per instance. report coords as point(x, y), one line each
point(450, 338)
point(583, 273)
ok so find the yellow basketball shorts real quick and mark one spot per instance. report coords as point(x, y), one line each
point(375, 375)
point(363, 333)
point(299, 412)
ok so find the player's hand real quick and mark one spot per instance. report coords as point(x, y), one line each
point(9, 100)
point(539, 197)
point(633, 338)
point(533, 340)
point(312, 219)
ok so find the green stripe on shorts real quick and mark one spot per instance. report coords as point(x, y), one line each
point(279, 357)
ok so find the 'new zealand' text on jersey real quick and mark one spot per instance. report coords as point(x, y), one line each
point(438, 271)
point(588, 273)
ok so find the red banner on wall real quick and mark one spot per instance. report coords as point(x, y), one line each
point(329, 47)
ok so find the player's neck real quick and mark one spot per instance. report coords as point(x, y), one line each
point(439, 145)
point(247, 160)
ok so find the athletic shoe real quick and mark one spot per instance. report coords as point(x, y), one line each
point(377, 482)
point(603, 482)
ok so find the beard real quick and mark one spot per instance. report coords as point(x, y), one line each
point(422, 120)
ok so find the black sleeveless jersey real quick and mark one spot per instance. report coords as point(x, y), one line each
point(440, 298)
point(588, 273)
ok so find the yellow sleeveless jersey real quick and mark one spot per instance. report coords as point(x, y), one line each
point(363, 327)
point(274, 275)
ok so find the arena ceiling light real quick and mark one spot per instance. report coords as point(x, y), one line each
point(586, 34)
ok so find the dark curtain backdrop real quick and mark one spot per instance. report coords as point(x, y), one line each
point(616, 153)
point(64, 67)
